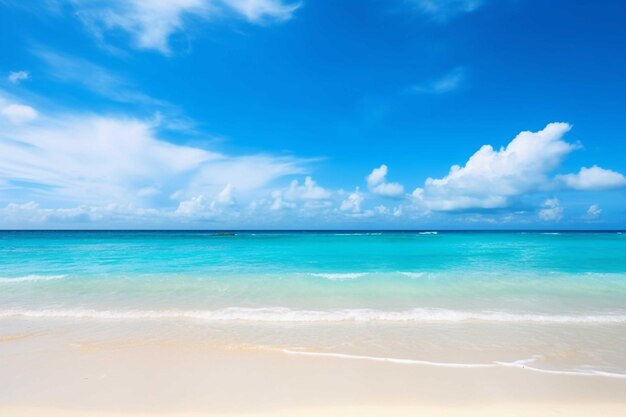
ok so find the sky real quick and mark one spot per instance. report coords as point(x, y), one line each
point(312, 114)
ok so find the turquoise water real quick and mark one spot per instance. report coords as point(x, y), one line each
point(557, 300)
point(516, 272)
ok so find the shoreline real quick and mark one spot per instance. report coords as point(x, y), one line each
point(122, 379)
point(491, 410)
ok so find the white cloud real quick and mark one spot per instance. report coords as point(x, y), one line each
point(376, 182)
point(17, 113)
point(72, 70)
point(195, 207)
point(226, 196)
point(148, 192)
point(279, 203)
point(15, 77)
point(151, 23)
point(444, 10)
point(82, 159)
point(552, 210)
point(449, 82)
point(353, 202)
point(259, 11)
point(309, 193)
point(491, 177)
point(309, 190)
point(31, 213)
point(594, 211)
point(594, 178)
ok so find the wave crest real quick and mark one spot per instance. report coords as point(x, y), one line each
point(28, 278)
point(339, 276)
point(283, 314)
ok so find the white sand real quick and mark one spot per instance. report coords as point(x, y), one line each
point(140, 377)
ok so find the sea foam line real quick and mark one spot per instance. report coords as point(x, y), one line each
point(28, 278)
point(283, 314)
point(339, 276)
point(521, 364)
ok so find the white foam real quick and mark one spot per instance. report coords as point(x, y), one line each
point(339, 276)
point(282, 314)
point(358, 234)
point(390, 360)
point(28, 278)
point(413, 275)
point(428, 233)
point(521, 364)
point(550, 233)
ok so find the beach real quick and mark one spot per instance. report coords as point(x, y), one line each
point(138, 376)
point(295, 324)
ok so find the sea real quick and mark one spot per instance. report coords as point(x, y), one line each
point(540, 301)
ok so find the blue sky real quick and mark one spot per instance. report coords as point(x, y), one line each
point(312, 114)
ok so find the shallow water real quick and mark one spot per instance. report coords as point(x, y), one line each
point(555, 301)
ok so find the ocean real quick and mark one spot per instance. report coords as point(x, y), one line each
point(552, 302)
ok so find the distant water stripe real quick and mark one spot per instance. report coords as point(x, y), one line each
point(28, 278)
point(521, 364)
point(281, 314)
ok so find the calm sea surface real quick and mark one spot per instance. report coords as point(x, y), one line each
point(557, 300)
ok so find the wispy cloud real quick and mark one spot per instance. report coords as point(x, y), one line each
point(85, 159)
point(92, 77)
point(594, 211)
point(150, 24)
point(445, 84)
point(444, 10)
point(15, 77)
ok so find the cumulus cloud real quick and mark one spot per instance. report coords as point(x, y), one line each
point(490, 178)
point(377, 183)
point(308, 193)
point(594, 178)
point(594, 211)
point(196, 206)
point(552, 210)
point(353, 202)
point(15, 77)
point(151, 23)
point(279, 203)
point(309, 190)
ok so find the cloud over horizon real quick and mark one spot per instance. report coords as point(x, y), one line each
point(491, 179)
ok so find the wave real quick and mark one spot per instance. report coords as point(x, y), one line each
point(28, 278)
point(339, 276)
point(521, 364)
point(283, 314)
point(359, 234)
point(428, 233)
point(410, 274)
point(550, 233)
